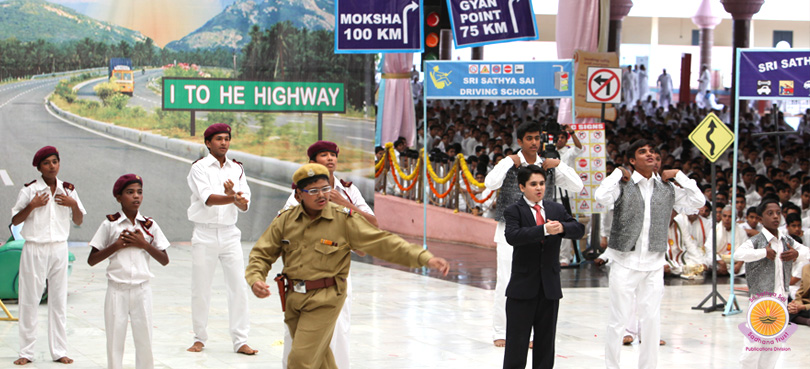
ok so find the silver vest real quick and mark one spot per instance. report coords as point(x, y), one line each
point(760, 274)
point(628, 216)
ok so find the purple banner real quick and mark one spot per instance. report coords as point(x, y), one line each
point(774, 74)
point(376, 26)
point(482, 22)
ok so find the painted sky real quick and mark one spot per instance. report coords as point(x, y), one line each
point(162, 20)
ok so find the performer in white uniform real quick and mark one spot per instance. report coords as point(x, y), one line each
point(643, 206)
point(129, 240)
point(349, 196)
point(219, 192)
point(504, 176)
point(47, 206)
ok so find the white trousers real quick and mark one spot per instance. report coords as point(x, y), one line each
point(752, 359)
point(503, 274)
point(41, 262)
point(340, 338)
point(210, 245)
point(566, 251)
point(646, 289)
point(128, 303)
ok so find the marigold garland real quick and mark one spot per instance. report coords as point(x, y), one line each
point(466, 170)
point(391, 159)
point(436, 193)
point(435, 177)
point(403, 189)
point(472, 195)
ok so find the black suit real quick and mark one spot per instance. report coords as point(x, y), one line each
point(533, 294)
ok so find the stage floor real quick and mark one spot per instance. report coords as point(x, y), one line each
point(400, 319)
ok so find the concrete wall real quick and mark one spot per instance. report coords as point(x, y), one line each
point(404, 217)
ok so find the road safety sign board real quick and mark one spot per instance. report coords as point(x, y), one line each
point(604, 85)
point(712, 137)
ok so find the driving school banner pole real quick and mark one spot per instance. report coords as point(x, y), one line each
point(770, 74)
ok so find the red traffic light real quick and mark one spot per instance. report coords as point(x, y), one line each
point(433, 19)
point(432, 40)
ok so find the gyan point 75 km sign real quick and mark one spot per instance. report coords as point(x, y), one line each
point(481, 22)
point(375, 26)
point(228, 95)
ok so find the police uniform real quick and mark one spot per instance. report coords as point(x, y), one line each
point(216, 238)
point(317, 254)
point(44, 258)
point(342, 333)
point(129, 295)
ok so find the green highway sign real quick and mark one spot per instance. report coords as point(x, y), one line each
point(208, 94)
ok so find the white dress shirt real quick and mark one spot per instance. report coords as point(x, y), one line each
point(129, 265)
point(565, 177)
point(352, 194)
point(748, 253)
point(642, 259)
point(208, 178)
point(50, 222)
point(534, 211)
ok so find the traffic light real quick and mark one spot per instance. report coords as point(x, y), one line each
point(436, 18)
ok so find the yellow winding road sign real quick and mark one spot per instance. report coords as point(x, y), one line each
point(712, 137)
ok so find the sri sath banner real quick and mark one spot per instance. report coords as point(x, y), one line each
point(482, 22)
point(498, 80)
point(774, 74)
point(375, 26)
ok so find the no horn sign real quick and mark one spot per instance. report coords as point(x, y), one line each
point(604, 85)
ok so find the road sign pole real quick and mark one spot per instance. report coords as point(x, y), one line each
point(193, 124)
point(320, 126)
point(731, 306)
point(714, 294)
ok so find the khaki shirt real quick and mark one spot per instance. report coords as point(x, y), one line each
point(320, 248)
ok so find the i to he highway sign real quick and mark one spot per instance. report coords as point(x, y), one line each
point(712, 137)
point(604, 85)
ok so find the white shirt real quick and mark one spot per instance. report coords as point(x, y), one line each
point(564, 176)
point(724, 240)
point(642, 259)
point(207, 178)
point(534, 211)
point(748, 253)
point(129, 265)
point(50, 222)
point(569, 154)
point(352, 194)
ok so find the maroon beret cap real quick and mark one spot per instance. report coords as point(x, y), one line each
point(216, 128)
point(124, 181)
point(44, 153)
point(321, 146)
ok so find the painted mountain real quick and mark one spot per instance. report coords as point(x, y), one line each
point(29, 20)
point(231, 27)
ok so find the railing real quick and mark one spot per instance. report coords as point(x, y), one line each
point(443, 179)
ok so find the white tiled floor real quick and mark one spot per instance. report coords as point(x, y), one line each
point(399, 320)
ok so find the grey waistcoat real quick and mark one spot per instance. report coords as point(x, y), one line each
point(510, 192)
point(628, 216)
point(760, 274)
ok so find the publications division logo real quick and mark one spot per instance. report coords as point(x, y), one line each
point(767, 322)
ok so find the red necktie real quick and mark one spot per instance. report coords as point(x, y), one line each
point(540, 220)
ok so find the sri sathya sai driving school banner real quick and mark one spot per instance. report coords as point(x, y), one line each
point(374, 26)
point(481, 22)
point(498, 80)
point(774, 74)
